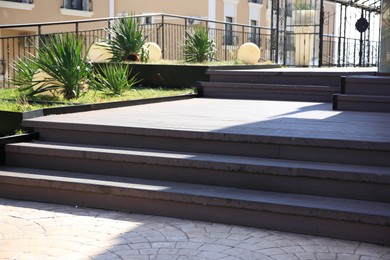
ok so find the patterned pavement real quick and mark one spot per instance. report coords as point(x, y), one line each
point(30, 230)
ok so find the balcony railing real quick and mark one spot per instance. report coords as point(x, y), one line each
point(21, 1)
point(169, 32)
point(256, 1)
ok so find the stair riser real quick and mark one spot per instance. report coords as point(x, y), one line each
point(366, 106)
point(103, 197)
point(367, 89)
point(268, 150)
point(277, 79)
point(286, 96)
point(262, 179)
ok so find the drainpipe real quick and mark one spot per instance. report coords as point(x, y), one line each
point(111, 8)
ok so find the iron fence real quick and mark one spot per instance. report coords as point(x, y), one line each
point(169, 32)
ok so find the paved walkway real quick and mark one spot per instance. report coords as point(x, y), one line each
point(30, 230)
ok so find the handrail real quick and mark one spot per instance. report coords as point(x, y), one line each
point(119, 17)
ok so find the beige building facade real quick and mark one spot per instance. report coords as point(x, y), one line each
point(41, 11)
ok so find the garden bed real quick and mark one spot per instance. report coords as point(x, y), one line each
point(182, 75)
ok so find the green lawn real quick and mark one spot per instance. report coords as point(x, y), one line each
point(12, 100)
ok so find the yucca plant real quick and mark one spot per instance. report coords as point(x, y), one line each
point(198, 46)
point(114, 79)
point(126, 40)
point(24, 69)
point(61, 58)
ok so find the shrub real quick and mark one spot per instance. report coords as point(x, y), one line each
point(127, 40)
point(198, 46)
point(61, 58)
point(114, 79)
point(25, 69)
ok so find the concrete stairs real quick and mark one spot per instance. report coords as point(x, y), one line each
point(364, 93)
point(313, 186)
point(272, 85)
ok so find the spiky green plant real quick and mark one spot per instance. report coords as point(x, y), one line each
point(114, 79)
point(126, 40)
point(24, 69)
point(61, 57)
point(198, 46)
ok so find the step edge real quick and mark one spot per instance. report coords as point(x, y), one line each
point(355, 215)
point(250, 165)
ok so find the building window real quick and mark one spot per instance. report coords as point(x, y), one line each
point(256, 1)
point(147, 20)
point(81, 5)
point(229, 37)
point(17, 4)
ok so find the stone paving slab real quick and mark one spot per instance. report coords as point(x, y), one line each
point(30, 230)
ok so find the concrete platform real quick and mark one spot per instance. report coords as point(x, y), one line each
point(242, 117)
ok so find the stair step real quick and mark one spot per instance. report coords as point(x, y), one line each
point(369, 103)
point(244, 144)
point(268, 91)
point(338, 180)
point(367, 85)
point(334, 217)
point(280, 77)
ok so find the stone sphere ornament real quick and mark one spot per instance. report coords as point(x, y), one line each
point(154, 51)
point(249, 53)
point(99, 52)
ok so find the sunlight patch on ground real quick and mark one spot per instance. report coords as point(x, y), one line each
point(314, 114)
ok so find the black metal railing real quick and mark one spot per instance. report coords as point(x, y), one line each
point(169, 32)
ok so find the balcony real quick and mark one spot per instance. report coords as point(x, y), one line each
point(17, 4)
point(256, 1)
point(77, 8)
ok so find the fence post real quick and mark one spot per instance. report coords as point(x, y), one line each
point(243, 34)
point(163, 37)
point(321, 43)
point(77, 29)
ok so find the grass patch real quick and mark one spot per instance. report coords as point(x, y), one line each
point(13, 100)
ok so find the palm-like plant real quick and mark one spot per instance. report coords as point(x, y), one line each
point(114, 79)
point(198, 46)
point(25, 69)
point(126, 40)
point(61, 58)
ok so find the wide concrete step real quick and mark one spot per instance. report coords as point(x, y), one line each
point(334, 180)
point(366, 85)
point(278, 147)
point(333, 217)
point(360, 102)
point(287, 92)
